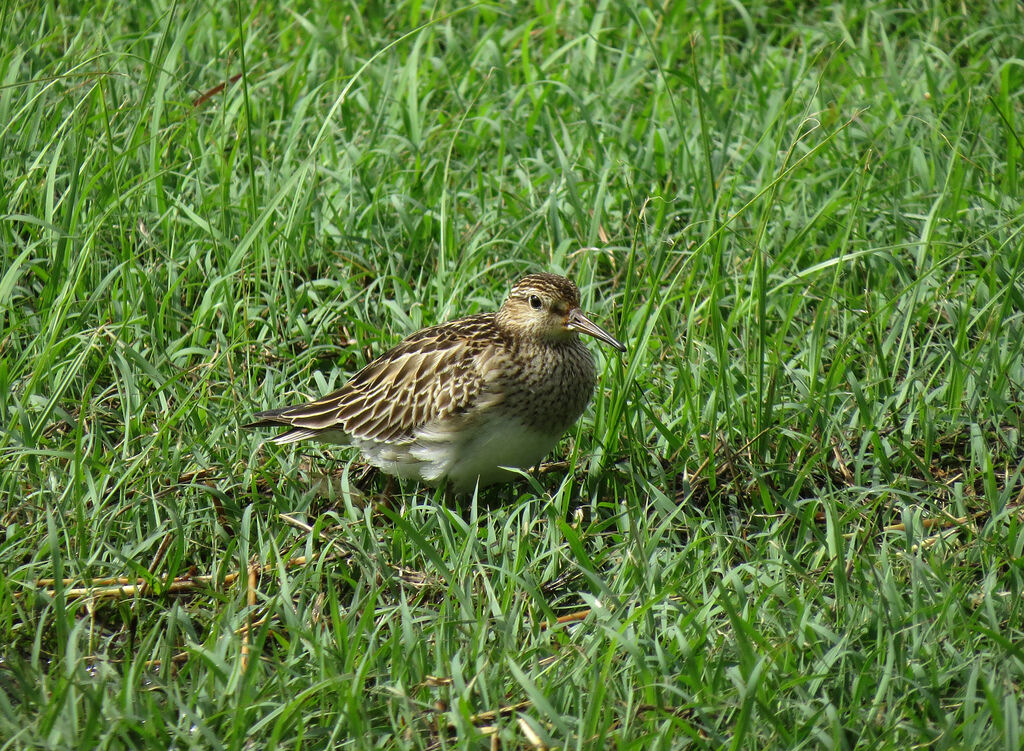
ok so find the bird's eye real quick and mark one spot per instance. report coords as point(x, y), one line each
point(535, 302)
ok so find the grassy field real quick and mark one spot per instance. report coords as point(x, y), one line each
point(792, 516)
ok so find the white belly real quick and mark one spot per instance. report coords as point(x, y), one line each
point(462, 456)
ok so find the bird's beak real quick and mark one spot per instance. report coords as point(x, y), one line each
point(578, 321)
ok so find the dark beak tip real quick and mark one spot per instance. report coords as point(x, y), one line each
point(578, 321)
point(616, 344)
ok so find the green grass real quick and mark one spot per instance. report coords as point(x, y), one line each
point(806, 222)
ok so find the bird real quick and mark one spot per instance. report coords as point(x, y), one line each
point(459, 403)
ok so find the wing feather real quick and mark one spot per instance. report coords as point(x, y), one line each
point(437, 373)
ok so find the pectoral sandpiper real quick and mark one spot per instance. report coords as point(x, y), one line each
point(458, 402)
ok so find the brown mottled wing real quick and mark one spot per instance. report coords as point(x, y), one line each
point(437, 372)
